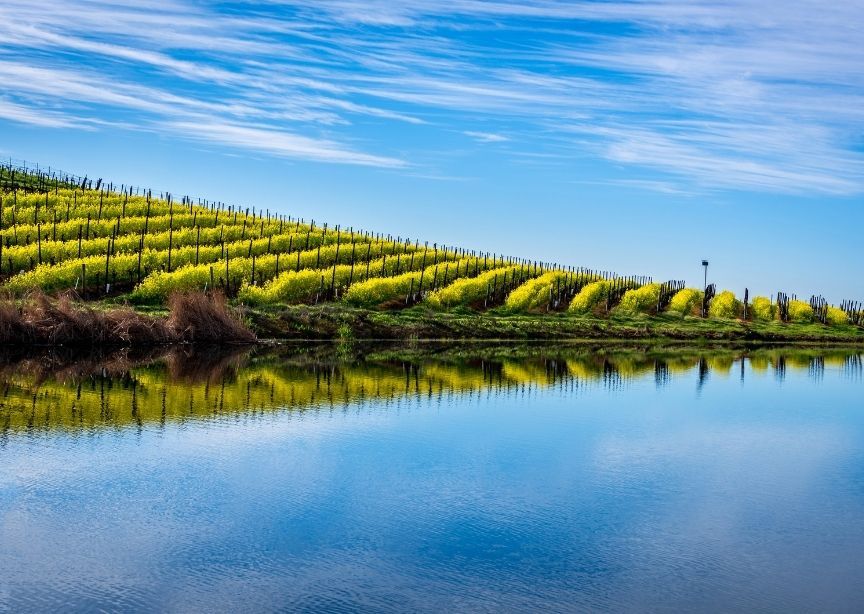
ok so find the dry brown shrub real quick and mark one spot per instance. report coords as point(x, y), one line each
point(206, 318)
point(65, 320)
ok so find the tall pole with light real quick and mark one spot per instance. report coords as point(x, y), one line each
point(704, 285)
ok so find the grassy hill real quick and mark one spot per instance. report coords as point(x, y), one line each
point(60, 234)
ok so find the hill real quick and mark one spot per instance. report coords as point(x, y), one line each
point(60, 233)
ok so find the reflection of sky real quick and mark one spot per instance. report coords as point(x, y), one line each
point(744, 496)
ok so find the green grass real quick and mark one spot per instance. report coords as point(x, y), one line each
point(324, 322)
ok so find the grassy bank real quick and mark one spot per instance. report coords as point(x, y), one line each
point(334, 321)
point(200, 318)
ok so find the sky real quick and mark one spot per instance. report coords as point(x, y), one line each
point(638, 137)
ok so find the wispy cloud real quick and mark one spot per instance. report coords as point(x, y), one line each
point(271, 140)
point(738, 95)
point(486, 137)
point(25, 115)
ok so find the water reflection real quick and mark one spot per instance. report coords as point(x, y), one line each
point(65, 391)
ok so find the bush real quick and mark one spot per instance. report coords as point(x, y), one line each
point(291, 286)
point(198, 317)
point(534, 293)
point(801, 312)
point(724, 305)
point(468, 290)
point(640, 299)
point(378, 290)
point(589, 297)
point(382, 289)
point(836, 316)
point(763, 309)
point(685, 301)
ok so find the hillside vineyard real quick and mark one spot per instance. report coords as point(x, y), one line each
point(63, 233)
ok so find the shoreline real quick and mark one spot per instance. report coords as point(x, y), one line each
point(338, 322)
point(196, 318)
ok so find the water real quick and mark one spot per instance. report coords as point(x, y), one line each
point(561, 479)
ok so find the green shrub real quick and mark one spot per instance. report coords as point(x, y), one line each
point(382, 289)
point(378, 290)
point(468, 289)
point(724, 305)
point(763, 309)
point(801, 312)
point(292, 286)
point(642, 299)
point(589, 297)
point(534, 293)
point(836, 316)
point(685, 301)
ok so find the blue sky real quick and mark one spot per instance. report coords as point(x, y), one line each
point(633, 136)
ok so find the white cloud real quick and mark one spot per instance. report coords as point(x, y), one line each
point(744, 95)
point(272, 140)
point(486, 137)
point(25, 115)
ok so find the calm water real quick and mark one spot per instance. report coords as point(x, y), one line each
point(560, 479)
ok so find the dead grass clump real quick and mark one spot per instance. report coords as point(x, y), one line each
point(65, 320)
point(203, 318)
point(60, 322)
point(127, 326)
point(14, 329)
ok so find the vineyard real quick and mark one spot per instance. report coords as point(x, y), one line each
point(63, 234)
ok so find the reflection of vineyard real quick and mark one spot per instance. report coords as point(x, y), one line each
point(121, 390)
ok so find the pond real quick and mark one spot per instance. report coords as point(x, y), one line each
point(331, 478)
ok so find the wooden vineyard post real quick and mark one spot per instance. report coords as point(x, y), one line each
point(351, 273)
point(368, 261)
point(170, 237)
point(197, 243)
point(227, 277)
point(39, 242)
point(147, 214)
point(83, 280)
point(107, 259)
point(140, 251)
